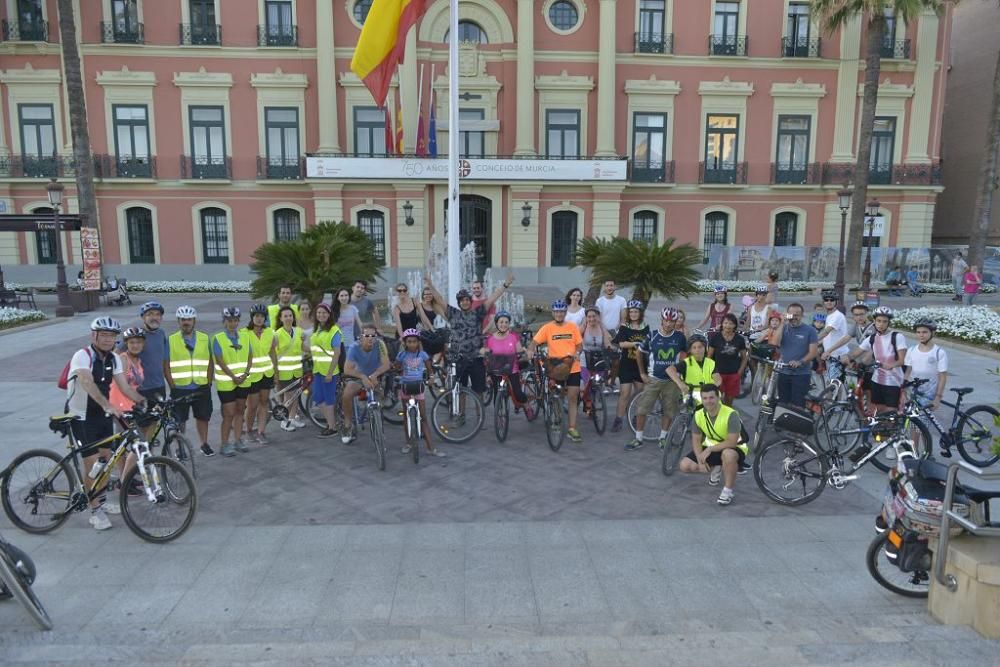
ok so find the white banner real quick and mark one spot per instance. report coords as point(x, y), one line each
point(391, 169)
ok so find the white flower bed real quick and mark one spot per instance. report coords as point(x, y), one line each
point(10, 317)
point(973, 324)
point(705, 285)
point(169, 286)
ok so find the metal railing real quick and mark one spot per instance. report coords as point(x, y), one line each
point(197, 34)
point(800, 47)
point(36, 166)
point(290, 168)
point(795, 174)
point(949, 516)
point(113, 34)
point(277, 35)
point(30, 30)
point(654, 42)
point(205, 167)
point(727, 45)
point(651, 171)
point(898, 174)
point(112, 166)
point(724, 174)
point(896, 49)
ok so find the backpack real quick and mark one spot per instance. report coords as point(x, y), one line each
point(64, 378)
point(892, 342)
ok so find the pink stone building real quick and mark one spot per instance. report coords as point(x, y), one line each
point(218, 125)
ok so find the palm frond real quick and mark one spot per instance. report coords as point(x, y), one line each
point(648, 268)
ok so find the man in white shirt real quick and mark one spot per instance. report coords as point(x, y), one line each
point(958, 269)
point(889, 349)
point(836, 335)
point(612, 307)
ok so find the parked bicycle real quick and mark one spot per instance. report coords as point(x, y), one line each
point(17, 573)
point(972, 432)
point(458, 412)
point(552, 373)
point(501, 368)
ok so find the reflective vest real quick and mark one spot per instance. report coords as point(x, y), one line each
point(261, 346)
point(322, 347)
point(272, 314)
point(189, 366)
point(235, 356)
point(289, 353)
point(715, 432)
point(696, 375)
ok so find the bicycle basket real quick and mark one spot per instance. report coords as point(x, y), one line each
point(794, 419)
point(501, 364)
point(762, 350)
point(558, 369)
point(596, 361)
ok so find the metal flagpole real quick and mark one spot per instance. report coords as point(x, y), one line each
point(452, 218)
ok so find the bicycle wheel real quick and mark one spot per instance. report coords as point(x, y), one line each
point(677, 436)
point(24, 564)
point(532, 391)
point(978, 431)
point(598, 408)
point(313, 412)
point(491, 391)
point(817, 382)
point(393, 409)
point(555, 422)
point(461, 424)
point(885, 460)
point(845, 427)
point(651, 431)
point(178, 448)
point(37, 491)
point(790, 471)
point(883, 570)
point(759, 383)
point(746, 383)
point(378, 438)
point(164, 510)
point(501, 416)
point(20, 588)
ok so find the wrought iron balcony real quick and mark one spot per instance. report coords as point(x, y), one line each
point(277, 35)
point(732, 173)
point(880, 174)
point(654, 42)
point(651, 171)
point(784, 173)
point(800, 47)
point(35, 166)
point(200, 166)
point(125, 166)
point(116, 34)
point(727, 45)
point(900, 174)
point(25, 30)
point(199, 34)
point(896, 49)
point(290, 168)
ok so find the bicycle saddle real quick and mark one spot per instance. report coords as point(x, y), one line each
point(932, 471)
point(62, 418)
point(962, 391)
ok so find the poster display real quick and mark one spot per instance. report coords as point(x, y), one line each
point(91, 244)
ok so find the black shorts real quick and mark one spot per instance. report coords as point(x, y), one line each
point(202, 407)
point(883, 395)
point(237, 394)
point(154, 395)
point(715, 458)
point(89, 431)
point(573, 380)
point(628, 371)
point(265, 383)
point(474, 372)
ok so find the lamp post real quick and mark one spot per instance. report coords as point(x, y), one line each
point(526, 210)
point(408, 213)
point(844, 202)
point(55, 192)
point(871, 212)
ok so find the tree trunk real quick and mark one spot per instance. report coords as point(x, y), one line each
point(84, 164)
point(873, 66)
point(987, 179)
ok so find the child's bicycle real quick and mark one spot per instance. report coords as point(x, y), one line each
point(408, 392)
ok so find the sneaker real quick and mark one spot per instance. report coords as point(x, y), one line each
point(745, 468)
point(207, 450)
point(616, 426)
point(262, 439)
point(406, 449)
point(251, 437)
point(726, 497)
point(574, 435)
point(348, 436)
point(241, 446)
point(112, 507)
point(715, 476)
point(529, 412)
point(99, 519)
point(438, 453)
point(326, 433)
point(662, 443)
point(228, 450)
point(136, 489)
point(633, 444)
point(298, 422)
point(288, 426)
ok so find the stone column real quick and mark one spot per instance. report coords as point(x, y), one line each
point(847, 92)
point(923, 93)
point(525, 129)
point(326, 79)
point(606, 82)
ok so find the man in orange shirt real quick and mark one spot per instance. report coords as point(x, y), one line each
point(564, 342)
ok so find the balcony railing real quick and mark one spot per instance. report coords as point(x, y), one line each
point(112, 166)
point(646, 171)
point(35, 166)
point(722, 174)
point(30, 30)
point(795, 174)
point(281, 168)
point(197, 34)
point(201, 166)
point(899, 174)
point(800, 47)
point(654, 42)
point(114, 34)
point(277, 35)
point(727, 45)
point(896, 49)
point(880, 174)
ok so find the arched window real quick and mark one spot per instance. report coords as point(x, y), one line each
point(287, 226)
point(45, 240)
point(139, 227)
point(372, 223)
point(469, 31)
point(361, 8)
point(214, 236)
point(716, 231)
point(644, 226)
point(786, 227)
point(563, 237)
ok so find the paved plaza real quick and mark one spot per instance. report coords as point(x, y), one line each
point(500, 554)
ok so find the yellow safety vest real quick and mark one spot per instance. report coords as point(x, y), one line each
point(695, 375)
point(272, 314)
point(289, 354)
point(235, 358)
point(322, 347)
point(189, 366)
point(261, 346)
point(717, 431)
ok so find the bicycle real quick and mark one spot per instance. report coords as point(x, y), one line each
point(592, 394)
point(414, 424)
point(679, 434)
point(17, 573)
point(39, 489)
point(371, 412)
point(968, 432)
point(760, 354)
point(501, 368)
point(458, 412)
point(295, 391)
point(551, 374)
point(174, 444)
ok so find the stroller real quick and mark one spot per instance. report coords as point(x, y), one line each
point(116, 292)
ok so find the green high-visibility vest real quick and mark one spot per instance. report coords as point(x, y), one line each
point(289, 353)
point(261, 348)
point(189, 366)
point(322, 348)
point(715, 432)
point(235, 356)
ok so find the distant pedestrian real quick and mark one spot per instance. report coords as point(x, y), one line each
point(913, 281)
point(972, 282)
point(958, 269)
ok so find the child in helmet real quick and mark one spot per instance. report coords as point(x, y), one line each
point(414, 367)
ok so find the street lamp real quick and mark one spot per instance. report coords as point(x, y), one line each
point(871, 212)
point(408, 213)
point(526, 210)
point(64, 309)
point(844, 202)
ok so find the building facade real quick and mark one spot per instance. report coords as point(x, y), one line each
point(218, 125)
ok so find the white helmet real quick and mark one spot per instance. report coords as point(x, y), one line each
point(106, 324)
point(186, 313)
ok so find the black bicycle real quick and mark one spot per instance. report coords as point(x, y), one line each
point(972, 431)
point(17, 573)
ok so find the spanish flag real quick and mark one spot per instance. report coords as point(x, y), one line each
point(383, 38)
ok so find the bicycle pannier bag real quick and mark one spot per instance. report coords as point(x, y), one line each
point(793, 419)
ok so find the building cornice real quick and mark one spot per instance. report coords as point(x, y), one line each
point(30, 75)
point(798, 89)
point(725, 87)
point(126, 77)
point(564, 81)
point(203, 79)
point(279, 79)
point(651, 86)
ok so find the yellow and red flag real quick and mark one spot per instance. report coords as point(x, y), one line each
point(383, 38)
point(399, 127)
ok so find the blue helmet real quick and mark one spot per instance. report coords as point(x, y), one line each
point(558, 304)
point(148, 306)
point(501, 313)
point(720, 289)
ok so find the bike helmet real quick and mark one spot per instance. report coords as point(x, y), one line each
point(830, 294)
point(819, 317)
point(761, 289)
point(186, 313)
point(634, 304)
point(148, 306)
point(133, 332)
point(926, 323)
point(260, 309)
point(885, 311)
point(106, 324)
point(669, 314)
point(859, 304)
point(720, 289)
point(697, 338)
point(558, 304)
point(231, 313)
point(463, 294)
point(411, 333)
point(499, 314)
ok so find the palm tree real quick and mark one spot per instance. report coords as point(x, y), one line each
point(834, 15)
point(649, 268)
point(324, 258)
point(84, 164)
point(988, 182)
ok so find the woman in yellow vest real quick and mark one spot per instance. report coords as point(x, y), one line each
point(696, 369)
point(324, 345)
point(265, 362)
point(288, 350)
point(233, 357)
point(718, 446)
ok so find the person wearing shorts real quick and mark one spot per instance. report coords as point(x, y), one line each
point(265, 361)
point(628, 340)
point(660, 351)
point(367, 361)
point(324, 345)
point(414, 367)
point(189, 374)
point(564, 342)
point(717, 444)
point(233, 355)
point(729, 350)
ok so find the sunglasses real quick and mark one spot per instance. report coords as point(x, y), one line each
point(829, 300)
point(369, 335)
point(401, 291)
